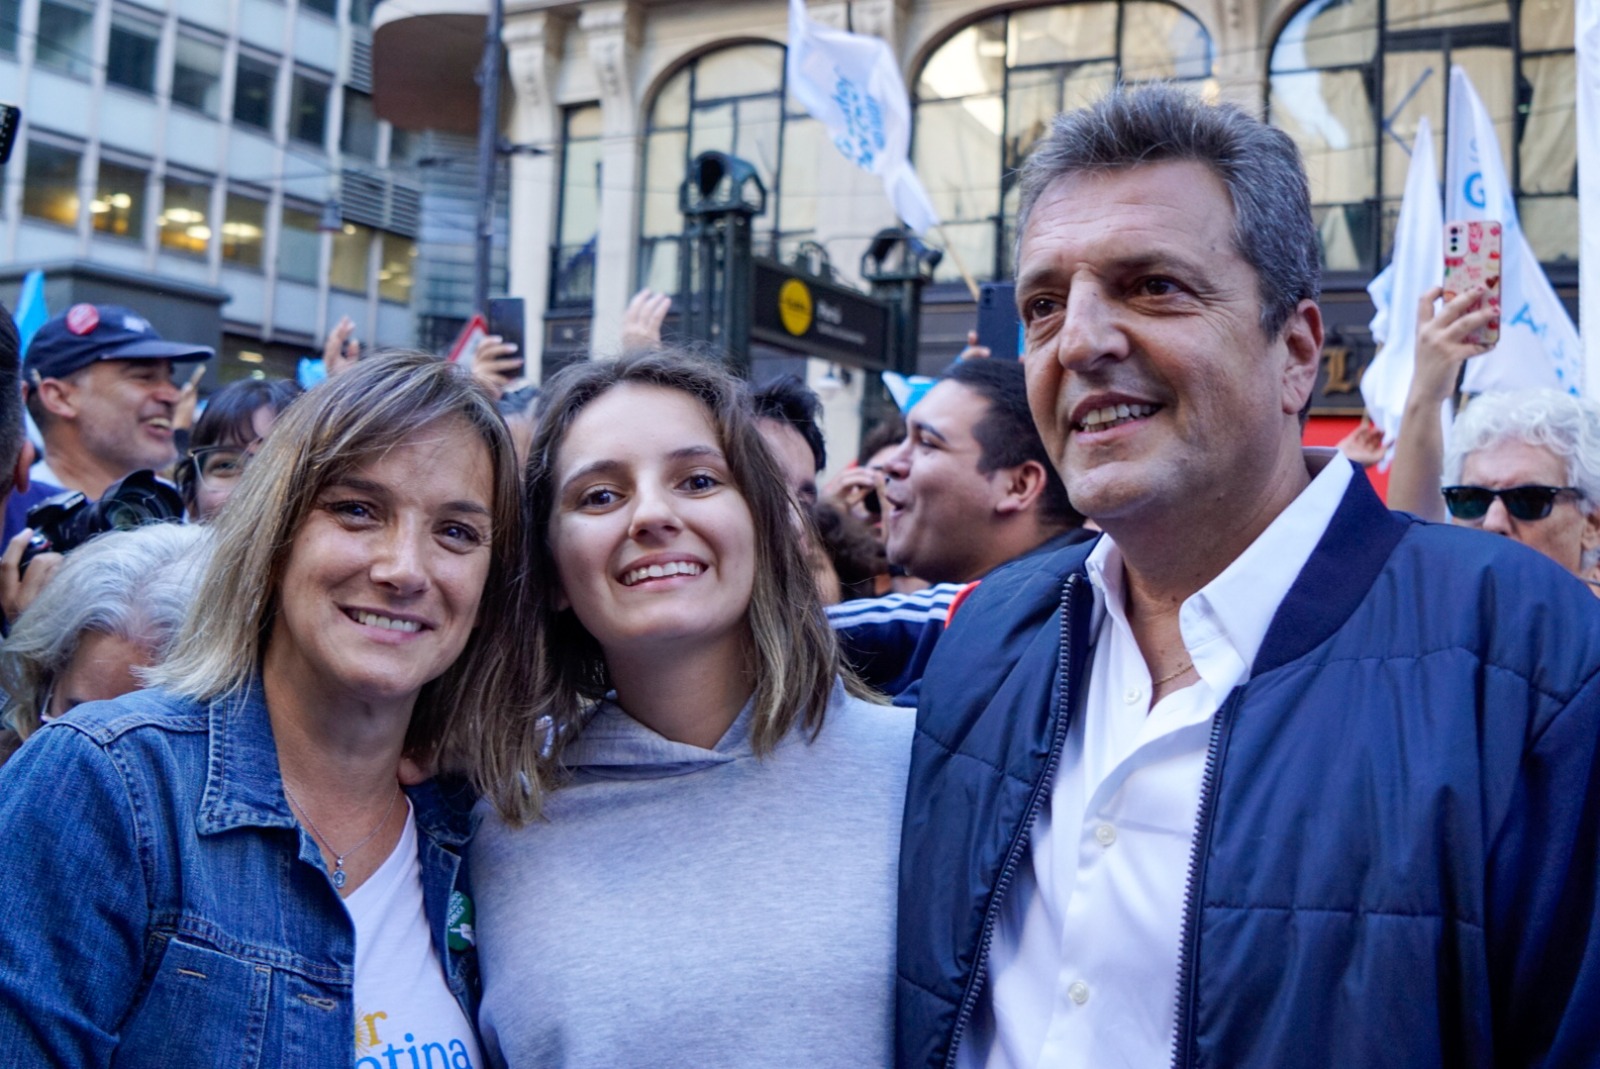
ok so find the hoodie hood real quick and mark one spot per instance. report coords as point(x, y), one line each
point(613, 745)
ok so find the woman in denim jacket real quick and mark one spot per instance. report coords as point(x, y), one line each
point(226, 871)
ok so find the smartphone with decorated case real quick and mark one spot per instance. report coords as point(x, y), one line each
point(1471, 259)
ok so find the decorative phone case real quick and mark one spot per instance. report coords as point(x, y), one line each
point(1472, 258)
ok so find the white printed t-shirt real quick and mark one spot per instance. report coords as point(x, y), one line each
point(405, 1013)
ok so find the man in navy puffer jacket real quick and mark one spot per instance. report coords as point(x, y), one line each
point(1268, 776)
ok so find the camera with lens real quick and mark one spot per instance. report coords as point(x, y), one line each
point(66, 521)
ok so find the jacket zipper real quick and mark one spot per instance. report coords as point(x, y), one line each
point(991, 914)
point(1191, 887)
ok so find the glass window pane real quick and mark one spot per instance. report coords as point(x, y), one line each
point(1546, 24)
point(665, 160)
point(1432, 14)
point(252, 92)
point(756, 139)
point(50, 183)
point(1549, 146)
point(1329, 114)
point(580, 192)
point(584, 121)
point(66, 36)
point(321, 7)
point(299, 245)
point(361, 12)
point(308, 110)
point(713, 129)
point(1551, 224)
point(1052, 34)
point(10, 19)
point(118, 205)
point(131, 57)
point(658, 265)
point(185, 216)
point(197, 75)
point(973, 62)
point(739, 71)
point(957, 156)
point(1160, 41)
point(359, 137)
point(351, 249)
point(807, 150)
point(671, 106)
point(394, 273)
point(1328, 33)
point(975, 242)
point(1414, 85)
point(243, 230)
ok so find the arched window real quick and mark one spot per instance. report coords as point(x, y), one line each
point(1350, 78)
point(987, 94)
point(731, 100)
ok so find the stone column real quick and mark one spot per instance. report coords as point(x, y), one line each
point(533, 41)
point(612, 28)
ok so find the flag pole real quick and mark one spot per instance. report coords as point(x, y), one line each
point(955, 254)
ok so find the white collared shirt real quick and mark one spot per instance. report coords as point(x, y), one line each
point(1083, 968)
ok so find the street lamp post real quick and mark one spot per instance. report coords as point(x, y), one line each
point(488, 145)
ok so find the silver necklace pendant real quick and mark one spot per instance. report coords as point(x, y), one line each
point(338, 873)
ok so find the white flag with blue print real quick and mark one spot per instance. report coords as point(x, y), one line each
point(1416, 267)
point(851, 83)
point(1538, 343)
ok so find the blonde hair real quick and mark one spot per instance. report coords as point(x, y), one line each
point(336, 428)
point(795, 655)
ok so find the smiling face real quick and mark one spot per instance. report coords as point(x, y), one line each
point(1157, 394)
point(381, 588)
point(1564, 535)
point(123, 412)
point(653, 543)
point(938, 504)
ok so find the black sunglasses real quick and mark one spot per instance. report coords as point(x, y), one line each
point(1523, 502)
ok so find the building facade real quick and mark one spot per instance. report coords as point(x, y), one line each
point(621, 94)
point(228, 147)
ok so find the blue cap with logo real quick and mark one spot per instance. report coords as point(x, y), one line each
point(89, 333)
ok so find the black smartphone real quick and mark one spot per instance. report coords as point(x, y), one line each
point(507, 318)
point(10, 119)
point(998, 325)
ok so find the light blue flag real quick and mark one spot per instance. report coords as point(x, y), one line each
point(30, 313)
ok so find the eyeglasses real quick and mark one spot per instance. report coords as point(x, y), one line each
point(1523, 502)
point(218, 466)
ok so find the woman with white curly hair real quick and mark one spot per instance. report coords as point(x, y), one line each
point(1527, 465)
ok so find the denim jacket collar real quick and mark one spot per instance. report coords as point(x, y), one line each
point(243, 785)
point(245, 789)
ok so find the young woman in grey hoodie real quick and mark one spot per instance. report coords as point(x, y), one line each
point(712, 881)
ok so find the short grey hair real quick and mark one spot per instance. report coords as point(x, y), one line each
point(1567, 426)
point(1259, 164)
point(136, 584)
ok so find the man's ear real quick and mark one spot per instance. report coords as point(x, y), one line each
point(19, 471)
point(1020, 487)
point(1302, 338)
point(60, 398)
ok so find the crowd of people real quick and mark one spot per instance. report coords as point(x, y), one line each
point(1085, 719)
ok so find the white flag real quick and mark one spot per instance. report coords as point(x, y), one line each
point(851, 84)
point(1588, 41)
point(1417, 267)
point(1538, 344)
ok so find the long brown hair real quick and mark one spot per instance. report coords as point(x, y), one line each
point(337, 427)
point(793, 649)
